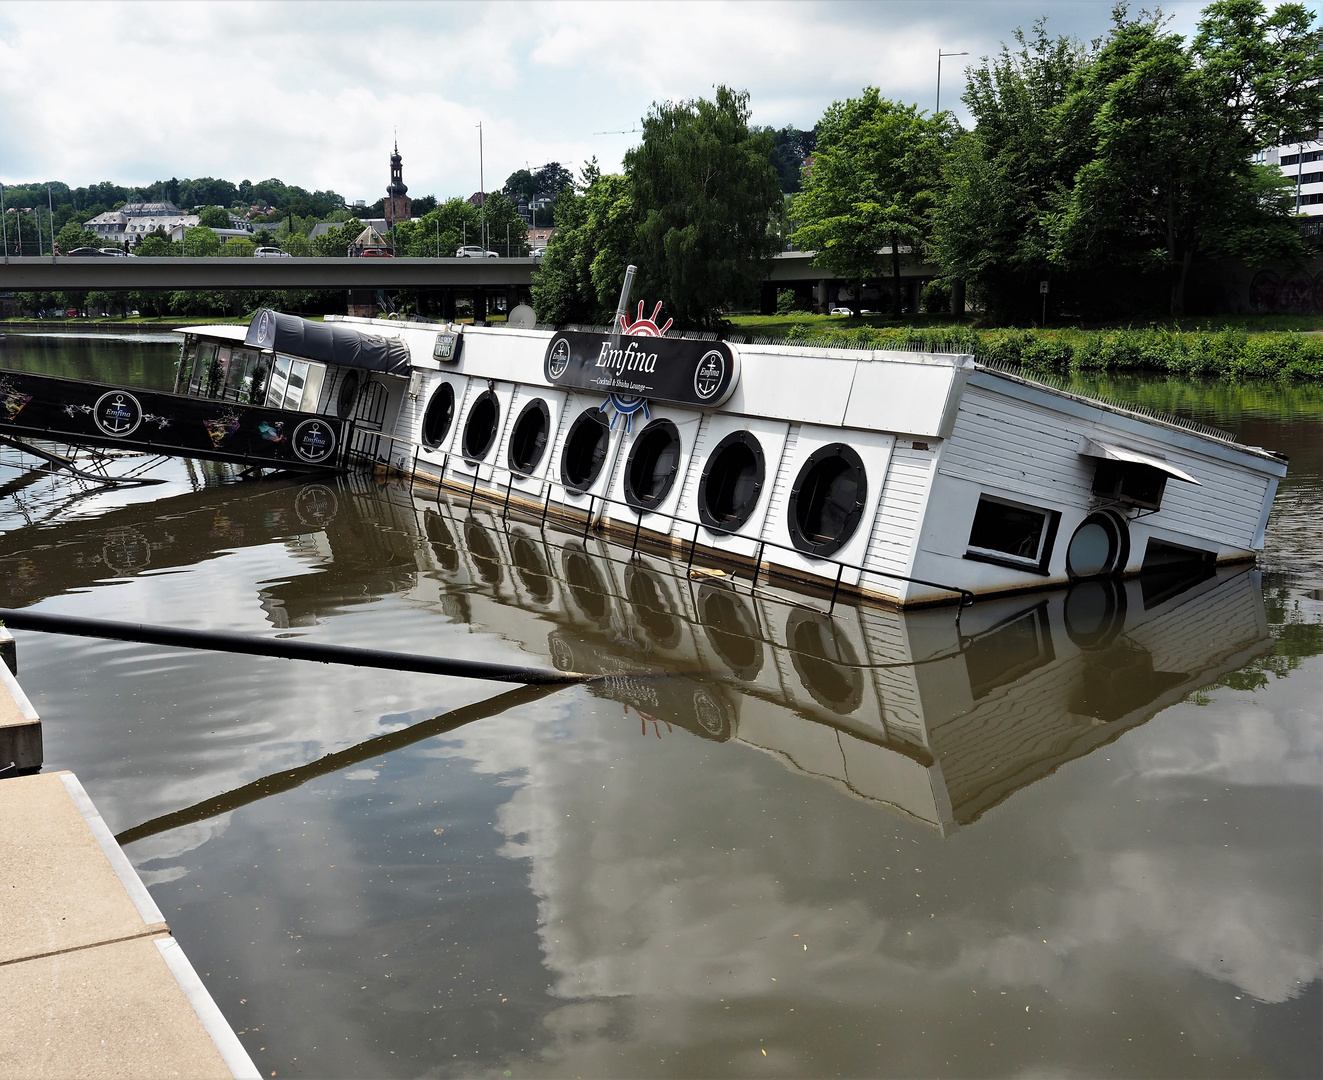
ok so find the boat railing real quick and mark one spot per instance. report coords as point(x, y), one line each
point(549, 485)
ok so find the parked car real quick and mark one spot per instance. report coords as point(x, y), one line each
point(474, 251)
point(271, 253)
point(85, 253)
point(840, 311)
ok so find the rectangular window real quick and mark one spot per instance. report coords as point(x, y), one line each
point(1011, 534)
point(1129, 482)
point(1008, 651)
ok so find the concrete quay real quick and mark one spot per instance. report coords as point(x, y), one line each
point(92, 984)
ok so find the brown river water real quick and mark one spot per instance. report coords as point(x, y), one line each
point(1077, 833)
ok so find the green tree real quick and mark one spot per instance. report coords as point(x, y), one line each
point(507, 232)
point(440, 232)
point(157, 245)
point(703, 191)
point(201, 242)
point(214, 217)
point(236, 247)
point(1174, 128)
point(335, 242)
point(991, 228)
point(595, 239)
point(73, 235)
point(875, 180)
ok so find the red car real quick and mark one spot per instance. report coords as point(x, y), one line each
point(376, 253)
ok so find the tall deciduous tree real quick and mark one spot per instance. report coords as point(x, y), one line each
point(1174, 128)
point(595, 238)
point(704, 191)
point(874, 180)
point(1000, 180)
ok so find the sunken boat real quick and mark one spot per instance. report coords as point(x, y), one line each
point(906, 477)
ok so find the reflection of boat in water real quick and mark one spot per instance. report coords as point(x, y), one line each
point(938, 719)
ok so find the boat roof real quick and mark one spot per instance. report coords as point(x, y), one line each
point(330, 342)
point(225, 331)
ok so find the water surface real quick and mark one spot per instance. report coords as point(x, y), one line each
point(1074, 833)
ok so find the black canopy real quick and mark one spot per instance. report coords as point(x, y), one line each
point(329, 342)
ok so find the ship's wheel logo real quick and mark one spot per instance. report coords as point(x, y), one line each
point(642, 327)
point(117, 413)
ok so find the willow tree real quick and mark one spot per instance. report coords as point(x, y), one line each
point(873, 182)
point(704, 194)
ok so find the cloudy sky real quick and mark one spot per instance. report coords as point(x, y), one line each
point(312, 92)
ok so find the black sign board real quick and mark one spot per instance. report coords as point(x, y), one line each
point(447, 346)
point(94, 413)
point(681, 370)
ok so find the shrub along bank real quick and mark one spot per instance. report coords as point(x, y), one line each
point(1230, 354)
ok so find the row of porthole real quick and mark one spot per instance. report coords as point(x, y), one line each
point(826, 502)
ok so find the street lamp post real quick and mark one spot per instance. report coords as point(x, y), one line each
point(482, 197)
point(940, 54)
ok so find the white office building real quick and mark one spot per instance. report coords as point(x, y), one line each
point(1302, 164)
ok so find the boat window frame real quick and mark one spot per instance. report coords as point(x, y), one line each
point(741, 516)
point(661, 426)
point(1046, 538)
point(592, 415)
point(433, 442)
point(537, 406)
point(810, 544)
point(470, 455)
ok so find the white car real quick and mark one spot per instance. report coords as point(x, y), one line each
point(840, 311)
point(271, 253)
point(116, 252)
point(473, 251)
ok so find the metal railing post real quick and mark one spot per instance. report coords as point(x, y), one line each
point(757, 566)
point(477, 469)
point(693, 544)
point(546, 504)
point(413, 469)
point(505, 510)
point(588, 521)
point(840, 569)
point(638, 524)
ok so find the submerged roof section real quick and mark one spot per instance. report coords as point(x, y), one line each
point(333, 343)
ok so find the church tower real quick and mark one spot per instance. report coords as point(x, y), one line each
point(397, 206)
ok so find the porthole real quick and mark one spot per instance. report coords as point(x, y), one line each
point(1098, 547)
point(585, 450)
point(532, 568)
point(827, 500)
point(585, 585)
point(1094, 613)
point(731, 629)
point(443, 542)
point(528, 437)
point(486, 559)
point(480, 430)
point(654, 459)
point(825, 661)
point(649, 601)
point(344, 402)
point(732, 481)
point(440, 412)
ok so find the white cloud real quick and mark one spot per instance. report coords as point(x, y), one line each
point(312, 92)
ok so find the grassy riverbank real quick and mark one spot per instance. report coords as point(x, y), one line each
point(1228, 352)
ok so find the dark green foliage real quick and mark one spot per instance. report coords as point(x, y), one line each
point(790, 147)
point(1224, 354)
point(214, 217)
point(874, 183)
point(704, 192)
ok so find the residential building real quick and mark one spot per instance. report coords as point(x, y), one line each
point(134, 221)
point(1300, 162)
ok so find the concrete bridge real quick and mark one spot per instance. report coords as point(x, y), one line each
point(477, 278)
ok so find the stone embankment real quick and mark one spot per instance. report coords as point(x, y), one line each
point(93, 983)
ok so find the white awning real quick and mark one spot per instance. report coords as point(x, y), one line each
point(1112, 452)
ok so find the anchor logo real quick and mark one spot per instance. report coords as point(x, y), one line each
point(117, 413)
point(313, 441)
